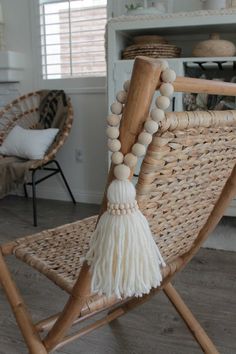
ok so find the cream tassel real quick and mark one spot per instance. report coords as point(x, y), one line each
point(123, 256)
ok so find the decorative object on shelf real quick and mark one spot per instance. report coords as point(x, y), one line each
point(161, 6)
point(123, 255)
point(133, 6)
point(2, 39)
point(213, 4)
point(146, 7)
point(153, 39)
point(214, 47)
point(152, 50)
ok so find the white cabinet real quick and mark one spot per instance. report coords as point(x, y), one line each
point(181, 29)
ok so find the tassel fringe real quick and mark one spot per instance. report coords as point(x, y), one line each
point(123, 256)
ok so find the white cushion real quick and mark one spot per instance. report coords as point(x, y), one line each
point(28, 143)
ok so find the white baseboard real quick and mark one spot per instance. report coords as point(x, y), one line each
point(84, 196)
point(223, 237)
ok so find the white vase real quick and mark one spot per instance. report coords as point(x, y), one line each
point(213, 4)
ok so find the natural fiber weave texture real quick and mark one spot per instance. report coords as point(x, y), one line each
point(58, 253)
point(182, 175)
point(24, 111)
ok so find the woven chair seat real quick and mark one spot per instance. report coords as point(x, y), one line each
point(58, 253)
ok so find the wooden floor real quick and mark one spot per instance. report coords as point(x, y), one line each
point(208, 286)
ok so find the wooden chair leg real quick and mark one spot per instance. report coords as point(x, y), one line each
point(194, 326)
point(20, 312)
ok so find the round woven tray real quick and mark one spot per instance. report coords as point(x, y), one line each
point(153, 50)
point(151, 39)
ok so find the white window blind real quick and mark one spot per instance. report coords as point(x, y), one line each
point(72, 38)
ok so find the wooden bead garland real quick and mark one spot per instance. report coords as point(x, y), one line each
point(130, 160)
point(162, 102)
point(138, 150)
point(145, 138)
point(122, 245)
point(113, 120)
point(117, 158)
point(114, 145)
point(121, 96)
point(113, 132)
point(124, 164)
point(122, 172)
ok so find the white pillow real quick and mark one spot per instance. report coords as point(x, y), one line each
point(28, 143)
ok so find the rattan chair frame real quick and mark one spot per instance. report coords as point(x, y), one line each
point(22, 111)
point(145, 80)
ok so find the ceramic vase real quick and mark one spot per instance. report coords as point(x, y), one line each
point(214, 47)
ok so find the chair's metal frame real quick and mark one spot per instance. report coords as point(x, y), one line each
point(34, 182)
point(145, 80)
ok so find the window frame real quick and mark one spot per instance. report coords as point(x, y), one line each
point(91, 84)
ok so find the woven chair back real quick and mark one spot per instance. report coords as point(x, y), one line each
point(183, 173)
point(24, 111)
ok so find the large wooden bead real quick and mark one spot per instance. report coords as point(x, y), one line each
point(157, 114)
point(130, 160)
point(117, 158)
point(162, 102)
point(116, 108)
point(145, 138)
point(122, 172)
point(138, 150)
point(168, 75)
point(112, 132)
point(167, 89)
point(113, 119)
point(121, 96)
point(114, 145)
point(164, 64)
point(151, 126)
point(126, 85)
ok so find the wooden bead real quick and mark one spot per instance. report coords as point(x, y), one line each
point(145, 138)
point(157, 115)
point(162, 102)
point(168, 75)
point(130, 160)
point(112, 132)
point(117, 158)
point(114, 145)
point(151, 126)
point(167, 89)
point(126, 85)
point(113, 119)
point(121, 96)
point(164, 64)
point(116, 108)
point(122, 172)
point(138, 150)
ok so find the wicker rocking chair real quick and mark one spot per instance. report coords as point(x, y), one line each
point(187, 179)
point(24, 111)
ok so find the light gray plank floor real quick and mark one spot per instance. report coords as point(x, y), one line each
point(208, 285)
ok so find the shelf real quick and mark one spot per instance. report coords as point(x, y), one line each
point(187, 23)
point(191, 59)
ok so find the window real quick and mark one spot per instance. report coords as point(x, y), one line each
point(72, 38)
